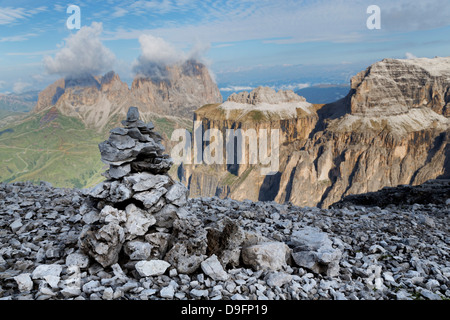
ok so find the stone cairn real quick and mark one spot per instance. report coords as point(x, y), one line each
point(130, 216)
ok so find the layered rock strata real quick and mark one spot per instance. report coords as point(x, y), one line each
point(101, 100)
point(391, 129)
point(262, 110)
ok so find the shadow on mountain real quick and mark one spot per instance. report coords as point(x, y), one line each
point(332, 111)
point(6, 131)
point(446, 174)
point(82, 81)
point(155, 72)
point(269, 188)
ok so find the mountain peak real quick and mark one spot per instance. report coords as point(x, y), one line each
point(265, 95)
point(395, 86)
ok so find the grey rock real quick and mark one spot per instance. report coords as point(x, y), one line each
point(52, 281)
point(77, 259)
point(266, 256)
point(212, 268)
point(119, 192)
point(121, 142)
point(167, 292)
point(278, 279)
point(138, 222)
point(113, 156)
point(152, 267)
point(138, 250)
point(110, 214)
point(70, 292)
point(117, 172)
point(177, 194)
point(313, 250)
point(16, 225)
point(159, 242)
point(136, 134)
point(46, 269)
point(104, 244)
point(150, 198)
point(119, 131)
point(166, 216)
point(184, 262)
point(145, 181)
point(108, 294)
point(24, 282)
point(199, 293)
point(132, 114)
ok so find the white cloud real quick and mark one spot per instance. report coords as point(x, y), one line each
point(409, 55)
point(119, 12)
point(82, 54)
point(18, 38)
point(156, 54)
point(10, 15)
point(59, 8)
point(293, 87)
point(415, 15)
point(236, 88)
point(31, 54)
point(20, 86)
point(159, 51)
point(285, 22)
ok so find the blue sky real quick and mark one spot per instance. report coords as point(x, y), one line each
point(244, 43)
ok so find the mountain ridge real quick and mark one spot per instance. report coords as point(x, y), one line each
point(80, 112)
point(355, 145)
point(95, 100)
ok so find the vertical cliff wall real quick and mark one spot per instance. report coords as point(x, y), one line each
point(391, 129)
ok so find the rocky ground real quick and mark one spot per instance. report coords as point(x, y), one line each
point(272, 252)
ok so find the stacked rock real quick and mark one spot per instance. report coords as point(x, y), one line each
point(135, 148)
point(130, 215)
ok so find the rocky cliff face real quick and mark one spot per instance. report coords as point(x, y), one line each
point(391, 129)
point(259, 110)
point(393, 87)
point(99, 100)
point(182, 90)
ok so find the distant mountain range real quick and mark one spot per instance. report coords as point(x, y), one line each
point(320, 93)
point(57, 141)
point(16, 103)
point(391, 128)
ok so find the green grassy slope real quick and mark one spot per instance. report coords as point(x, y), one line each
point(48, 146)
point(54, 148)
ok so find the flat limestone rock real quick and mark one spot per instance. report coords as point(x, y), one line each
point(150, 198)
point(117, 172)
point(151, 268)
point(122, 142)
point(138, 222)
point(144, 181)
point(214, 269)
point(266, 256)
point(314, 250)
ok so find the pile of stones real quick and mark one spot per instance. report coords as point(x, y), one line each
point(130, 216)
point(251, 250)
